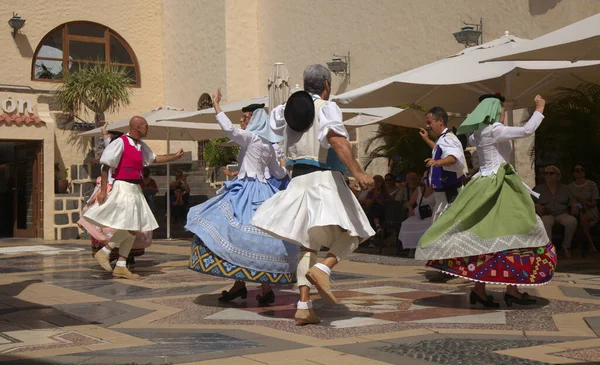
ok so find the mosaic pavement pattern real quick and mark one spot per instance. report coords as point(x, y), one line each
point(58, 307)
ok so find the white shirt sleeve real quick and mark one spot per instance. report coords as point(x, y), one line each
point(472, 142)
point(112, 153)
point(238, 135)
point(451, 146)
point(277, 120)
point(275, 168)
point(330, 118)
point(278, 151)
point(147, 154)
point(502, 133)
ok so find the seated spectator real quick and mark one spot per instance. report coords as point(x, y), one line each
point(586, 193)
point(419, 219)
point(178, 206)
point(149, 188)
point(540, 177)
point(181, 182)
point(390, 184)
point(374, 204)
point(407, 190)
point(553, 206)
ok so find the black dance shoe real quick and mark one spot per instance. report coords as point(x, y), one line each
point(228, 296)
point(266, 299)
point(523, 300)
point(489, 303)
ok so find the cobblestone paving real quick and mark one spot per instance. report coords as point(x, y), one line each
point(60, 307)
point(454, 351)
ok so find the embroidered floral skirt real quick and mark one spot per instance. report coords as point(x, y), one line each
point(227, 245)
point(205, 261)
point(523, 266)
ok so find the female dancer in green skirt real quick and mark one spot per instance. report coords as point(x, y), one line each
point(491, 233)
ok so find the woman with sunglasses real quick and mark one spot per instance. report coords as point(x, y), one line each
point(491, 234)
point(553, 206)
point(586, 193)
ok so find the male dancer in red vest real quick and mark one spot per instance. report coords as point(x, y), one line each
point(125, 209)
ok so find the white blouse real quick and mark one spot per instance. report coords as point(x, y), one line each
point(113, 152)
point(330, 119)
point(279, 153)
point(430, 200)
point(494, 144)
point(255, 155)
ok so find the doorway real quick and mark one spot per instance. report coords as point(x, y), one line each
point(21, 188)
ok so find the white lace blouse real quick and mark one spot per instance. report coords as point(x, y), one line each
point(255, 154)
point(494, 142)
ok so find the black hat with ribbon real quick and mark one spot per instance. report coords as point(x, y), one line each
point(300, 111)
point(252, 107)
point(495, 96)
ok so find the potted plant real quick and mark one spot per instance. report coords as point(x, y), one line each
point(217, 157)
point(61, 182)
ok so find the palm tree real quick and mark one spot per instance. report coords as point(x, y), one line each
point(571, 129)
point(403, 146)
point(99, 88)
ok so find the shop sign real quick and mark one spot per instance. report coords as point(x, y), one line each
point(10, 105)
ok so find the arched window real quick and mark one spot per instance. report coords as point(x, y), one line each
point(77, 45)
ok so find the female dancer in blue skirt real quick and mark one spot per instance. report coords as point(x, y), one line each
point(225, 245)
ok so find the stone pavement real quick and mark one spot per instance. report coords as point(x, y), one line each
point(58, 307)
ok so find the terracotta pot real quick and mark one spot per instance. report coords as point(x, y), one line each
point(62, 186)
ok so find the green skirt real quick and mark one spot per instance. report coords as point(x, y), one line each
point(492, 214)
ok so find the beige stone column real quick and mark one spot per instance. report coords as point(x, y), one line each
point(43, 111)
point(242, 53)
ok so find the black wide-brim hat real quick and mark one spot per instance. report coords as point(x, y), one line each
point(299, 111)
point(495, 96)
point(252, 107)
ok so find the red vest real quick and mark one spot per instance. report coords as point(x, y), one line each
point(131, 164)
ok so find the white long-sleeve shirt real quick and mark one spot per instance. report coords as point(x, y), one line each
point(494, 144)
point(255, 154)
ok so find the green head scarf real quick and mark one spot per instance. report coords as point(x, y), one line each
point(487, 112)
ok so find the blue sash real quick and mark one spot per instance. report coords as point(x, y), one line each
point(440, 179)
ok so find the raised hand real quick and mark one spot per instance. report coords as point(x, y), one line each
point(216, 98)
point(540, 103)
point(103, 128)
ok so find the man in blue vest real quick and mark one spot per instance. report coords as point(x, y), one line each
point(447, 165)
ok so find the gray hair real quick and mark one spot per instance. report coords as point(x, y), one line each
point(315, 77)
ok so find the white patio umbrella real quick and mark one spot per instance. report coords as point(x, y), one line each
point(278, 85)
point(233, 111)
point(456, 82)
point(410, 117)
point(575, 42)
point(176, 131)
